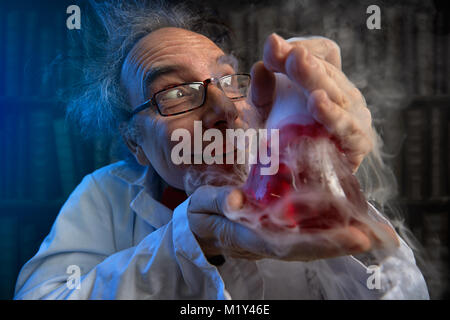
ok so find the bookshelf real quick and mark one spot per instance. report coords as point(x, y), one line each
point(425, 173)
point(42, 158)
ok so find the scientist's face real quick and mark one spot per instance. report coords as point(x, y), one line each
point(168, 57)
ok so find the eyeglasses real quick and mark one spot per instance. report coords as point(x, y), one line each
point(185, 97)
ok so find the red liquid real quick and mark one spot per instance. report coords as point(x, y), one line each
point(314, 188)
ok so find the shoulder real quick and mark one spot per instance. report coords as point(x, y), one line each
point(110, 184)
point(118, 175)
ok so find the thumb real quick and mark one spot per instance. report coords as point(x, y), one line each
point(262, 88)
point(216, 200)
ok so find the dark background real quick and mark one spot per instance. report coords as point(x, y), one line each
point(402, 69)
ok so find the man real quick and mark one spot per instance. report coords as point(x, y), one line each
point(118, 228)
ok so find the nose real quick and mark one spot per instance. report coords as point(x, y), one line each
point(218, 109)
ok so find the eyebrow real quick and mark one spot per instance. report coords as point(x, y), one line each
point(153, 74)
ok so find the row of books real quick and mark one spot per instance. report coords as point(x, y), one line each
point(42, 157)
point(426, 153)
point(406, 52)
point(406, 56)
point(435, 245)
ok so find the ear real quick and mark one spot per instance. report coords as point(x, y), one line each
point(134, 147)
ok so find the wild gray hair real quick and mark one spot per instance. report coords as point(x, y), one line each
point(99, 103)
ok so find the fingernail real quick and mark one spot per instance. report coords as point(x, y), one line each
point(283, 46)
point(235, 200)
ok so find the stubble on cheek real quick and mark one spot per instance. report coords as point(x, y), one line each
point(153, 138)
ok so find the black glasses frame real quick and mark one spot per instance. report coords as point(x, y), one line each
point(152, 101)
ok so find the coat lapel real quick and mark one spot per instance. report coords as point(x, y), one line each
point(150, 184)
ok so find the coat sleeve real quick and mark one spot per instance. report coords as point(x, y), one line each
point(167, 264)
point(396, 277)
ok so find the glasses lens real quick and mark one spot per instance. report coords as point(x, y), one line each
point(181, 98)
point(235, 86)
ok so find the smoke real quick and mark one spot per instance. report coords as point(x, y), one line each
point(214, 175)
point(312, 199)
point(315, 200)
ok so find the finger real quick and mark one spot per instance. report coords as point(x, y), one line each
point(328, 244)
point(345, 241)
point(262, 87)
point(218, 235)
point(276, 50)
point(205, 227)
point(323, 51)
point(275, 53)
point(353, 140)
point(304, 66)
point(246, 243)
point(218, 200)
point(320, 47)
point(307, 71)
point(380, 234)
point(356, 241)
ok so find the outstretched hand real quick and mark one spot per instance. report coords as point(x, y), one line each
point(217, 235)
point(314, 65)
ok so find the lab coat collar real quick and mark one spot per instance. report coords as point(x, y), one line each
point(131, 172)
point(145, 204)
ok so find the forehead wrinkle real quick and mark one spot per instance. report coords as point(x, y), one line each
point(149, 52)
point(168, 44)
point(172, 39)
point(152, 74)
point(165, 53)
point(141, 53)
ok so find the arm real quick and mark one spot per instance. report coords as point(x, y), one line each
point(166, 264)
point(341, 275)
point(315, 65)
point(373, 275)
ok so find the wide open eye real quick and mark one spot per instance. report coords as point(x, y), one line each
point(177, 93)
point(181, 98)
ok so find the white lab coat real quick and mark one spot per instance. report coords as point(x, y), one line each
point(127, 245)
